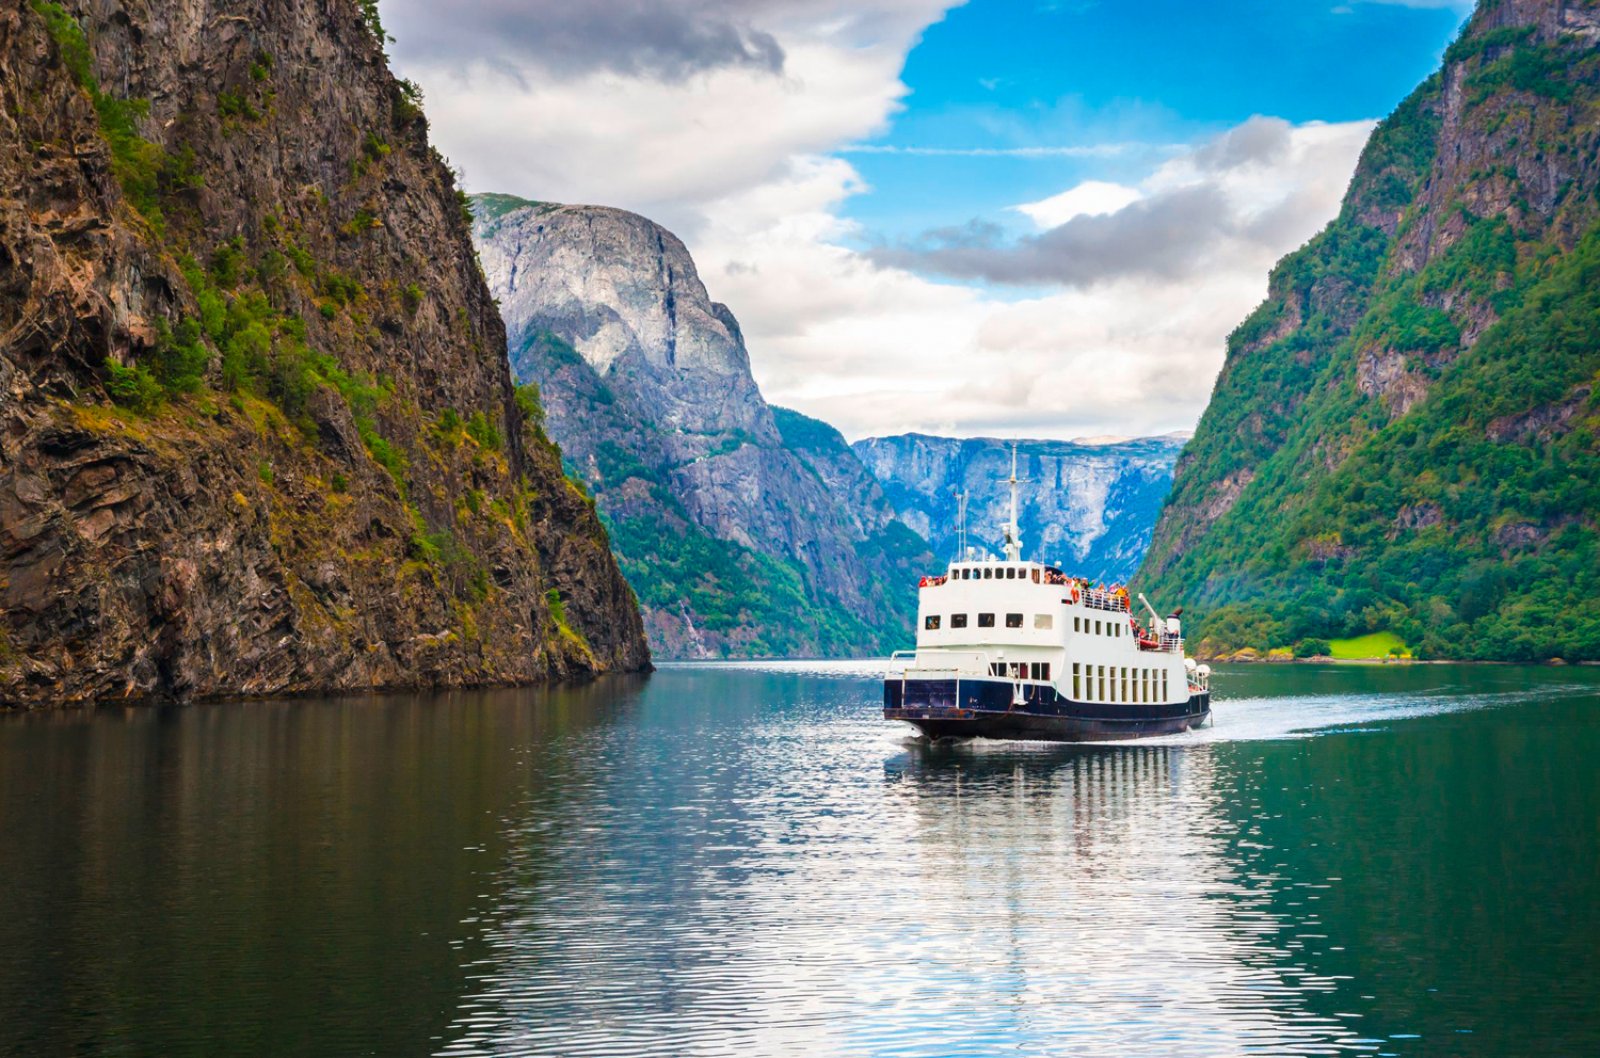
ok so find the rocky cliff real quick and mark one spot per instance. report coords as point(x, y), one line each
point(745, 533)
point(1088, 507)
point(1406, 436)
point(258, 432)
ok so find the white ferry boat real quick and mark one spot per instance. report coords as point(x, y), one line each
point(1011, 649)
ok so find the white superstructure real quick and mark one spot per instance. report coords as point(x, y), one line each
point(1030, 623)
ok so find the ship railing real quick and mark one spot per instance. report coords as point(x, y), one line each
point(1095, 599)
point(1164, 644)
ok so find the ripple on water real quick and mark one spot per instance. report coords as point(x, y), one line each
point(812, 883)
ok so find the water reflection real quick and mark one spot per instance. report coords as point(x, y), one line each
point(748, 861)
point(1120, 922)
point(754, 890)
point(261, 879)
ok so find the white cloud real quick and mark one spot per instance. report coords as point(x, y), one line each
point(1249, 189)
point(1092, 198)
point(666, 146)
point(748, 163)
point(877, 349)
point(1081, 150)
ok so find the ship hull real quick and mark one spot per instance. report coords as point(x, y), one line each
point(976, 707)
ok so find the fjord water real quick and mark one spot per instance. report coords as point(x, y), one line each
point(746, 860)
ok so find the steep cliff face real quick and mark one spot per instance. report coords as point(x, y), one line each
point(1089, 507)
point(258, 435)
point(737, 543)
point(1405, 436)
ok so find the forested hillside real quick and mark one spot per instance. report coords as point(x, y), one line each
point(1406, 436)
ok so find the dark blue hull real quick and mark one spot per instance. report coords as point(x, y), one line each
point(977, 707)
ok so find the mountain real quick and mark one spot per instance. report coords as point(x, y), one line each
point(1089, 506)
point(1405, 437)
point(258, 431)
point(746, 530)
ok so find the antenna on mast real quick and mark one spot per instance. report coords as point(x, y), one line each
point(961, 525)
point(1013, 530)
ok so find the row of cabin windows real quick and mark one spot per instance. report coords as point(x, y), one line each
point(1084, 624)
point(1116, 683)
point(986, 620)
point(933, 622)
point(1020, 670)
point(995, 573)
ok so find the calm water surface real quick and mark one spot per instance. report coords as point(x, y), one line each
point(729, 860)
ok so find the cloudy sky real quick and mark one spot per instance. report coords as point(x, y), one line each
point(1004, 217)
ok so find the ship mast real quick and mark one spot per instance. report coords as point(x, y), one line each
point(1013, 530)
point(961, 525)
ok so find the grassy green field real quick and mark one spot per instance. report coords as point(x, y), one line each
point(1362, 648)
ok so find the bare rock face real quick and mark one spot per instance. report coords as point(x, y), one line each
point(628, 294)
point(649, 392)
point(1088, 507)
point(318, 476)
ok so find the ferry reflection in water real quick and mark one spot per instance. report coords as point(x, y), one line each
point(1101, 905)
point(762, 870)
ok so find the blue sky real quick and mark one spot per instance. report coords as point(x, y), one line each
point(1004, 74)
point(848, 176)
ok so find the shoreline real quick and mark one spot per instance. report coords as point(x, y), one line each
point(1229, 659)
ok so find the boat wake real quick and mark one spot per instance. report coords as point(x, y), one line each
point(1247, 718)
point(1256, 719)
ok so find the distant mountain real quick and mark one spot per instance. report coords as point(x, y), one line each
point(1088, 505)
point(745, 530)
point(1405, 436)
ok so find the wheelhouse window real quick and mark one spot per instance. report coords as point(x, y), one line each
point(987, 573)
point(986, 620)
point(1035, 576)
point(1013, 620)
point(1044, 620)
point(932, 622)
point(958, 620)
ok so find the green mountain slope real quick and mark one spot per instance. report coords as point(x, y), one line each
point(1406, 436)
